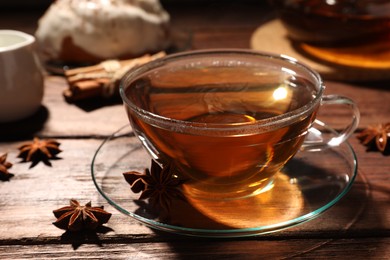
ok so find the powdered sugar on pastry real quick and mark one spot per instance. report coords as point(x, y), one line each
point(103, 29)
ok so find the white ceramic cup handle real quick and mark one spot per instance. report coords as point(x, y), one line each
point(341, 136)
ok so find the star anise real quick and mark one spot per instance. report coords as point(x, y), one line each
point(159, 185)
point(377, 135)
point(76, 217)
point(39, 150)
point(4, 166)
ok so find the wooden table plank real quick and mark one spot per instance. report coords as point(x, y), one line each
point(101, 117)
point(365, 248)
point(60, 118)
point(31, 195)
point(356, 227)
point(372, 100)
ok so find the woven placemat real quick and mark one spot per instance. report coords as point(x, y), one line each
point(345, 65)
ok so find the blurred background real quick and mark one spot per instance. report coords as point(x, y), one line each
point(39, 4)
point(24, 4)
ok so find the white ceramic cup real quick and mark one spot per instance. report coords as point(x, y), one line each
point(21, 79)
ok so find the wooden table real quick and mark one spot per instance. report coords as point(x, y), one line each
point(358, 227)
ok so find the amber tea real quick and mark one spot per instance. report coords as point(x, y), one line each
point(228, 164)
point(226, 120)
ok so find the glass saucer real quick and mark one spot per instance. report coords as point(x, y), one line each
point(311, 183)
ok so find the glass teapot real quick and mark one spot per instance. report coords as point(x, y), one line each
point(334, 22)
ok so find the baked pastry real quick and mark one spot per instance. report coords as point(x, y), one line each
point(96, 30)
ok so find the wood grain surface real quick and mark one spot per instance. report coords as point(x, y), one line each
point(357, 227)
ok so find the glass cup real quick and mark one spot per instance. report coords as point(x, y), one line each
point(227, 120)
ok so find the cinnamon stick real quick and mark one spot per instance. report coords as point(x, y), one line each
point(101, 79)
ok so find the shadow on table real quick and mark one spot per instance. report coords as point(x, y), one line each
point(301, 192)
point(91, 104)
point(308, 181)
point(84, 237)
point(26, 128)
point(354, 216)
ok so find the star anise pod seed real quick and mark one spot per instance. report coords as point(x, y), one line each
point(76, 217)
point(4, 166)
point(159, 185)
point(377, 136)
point(39, 150)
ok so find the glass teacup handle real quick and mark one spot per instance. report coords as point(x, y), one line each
point(315, 138)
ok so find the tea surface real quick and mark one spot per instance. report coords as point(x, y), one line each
point(226, 164)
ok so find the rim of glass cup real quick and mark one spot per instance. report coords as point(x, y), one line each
point(258, 126)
